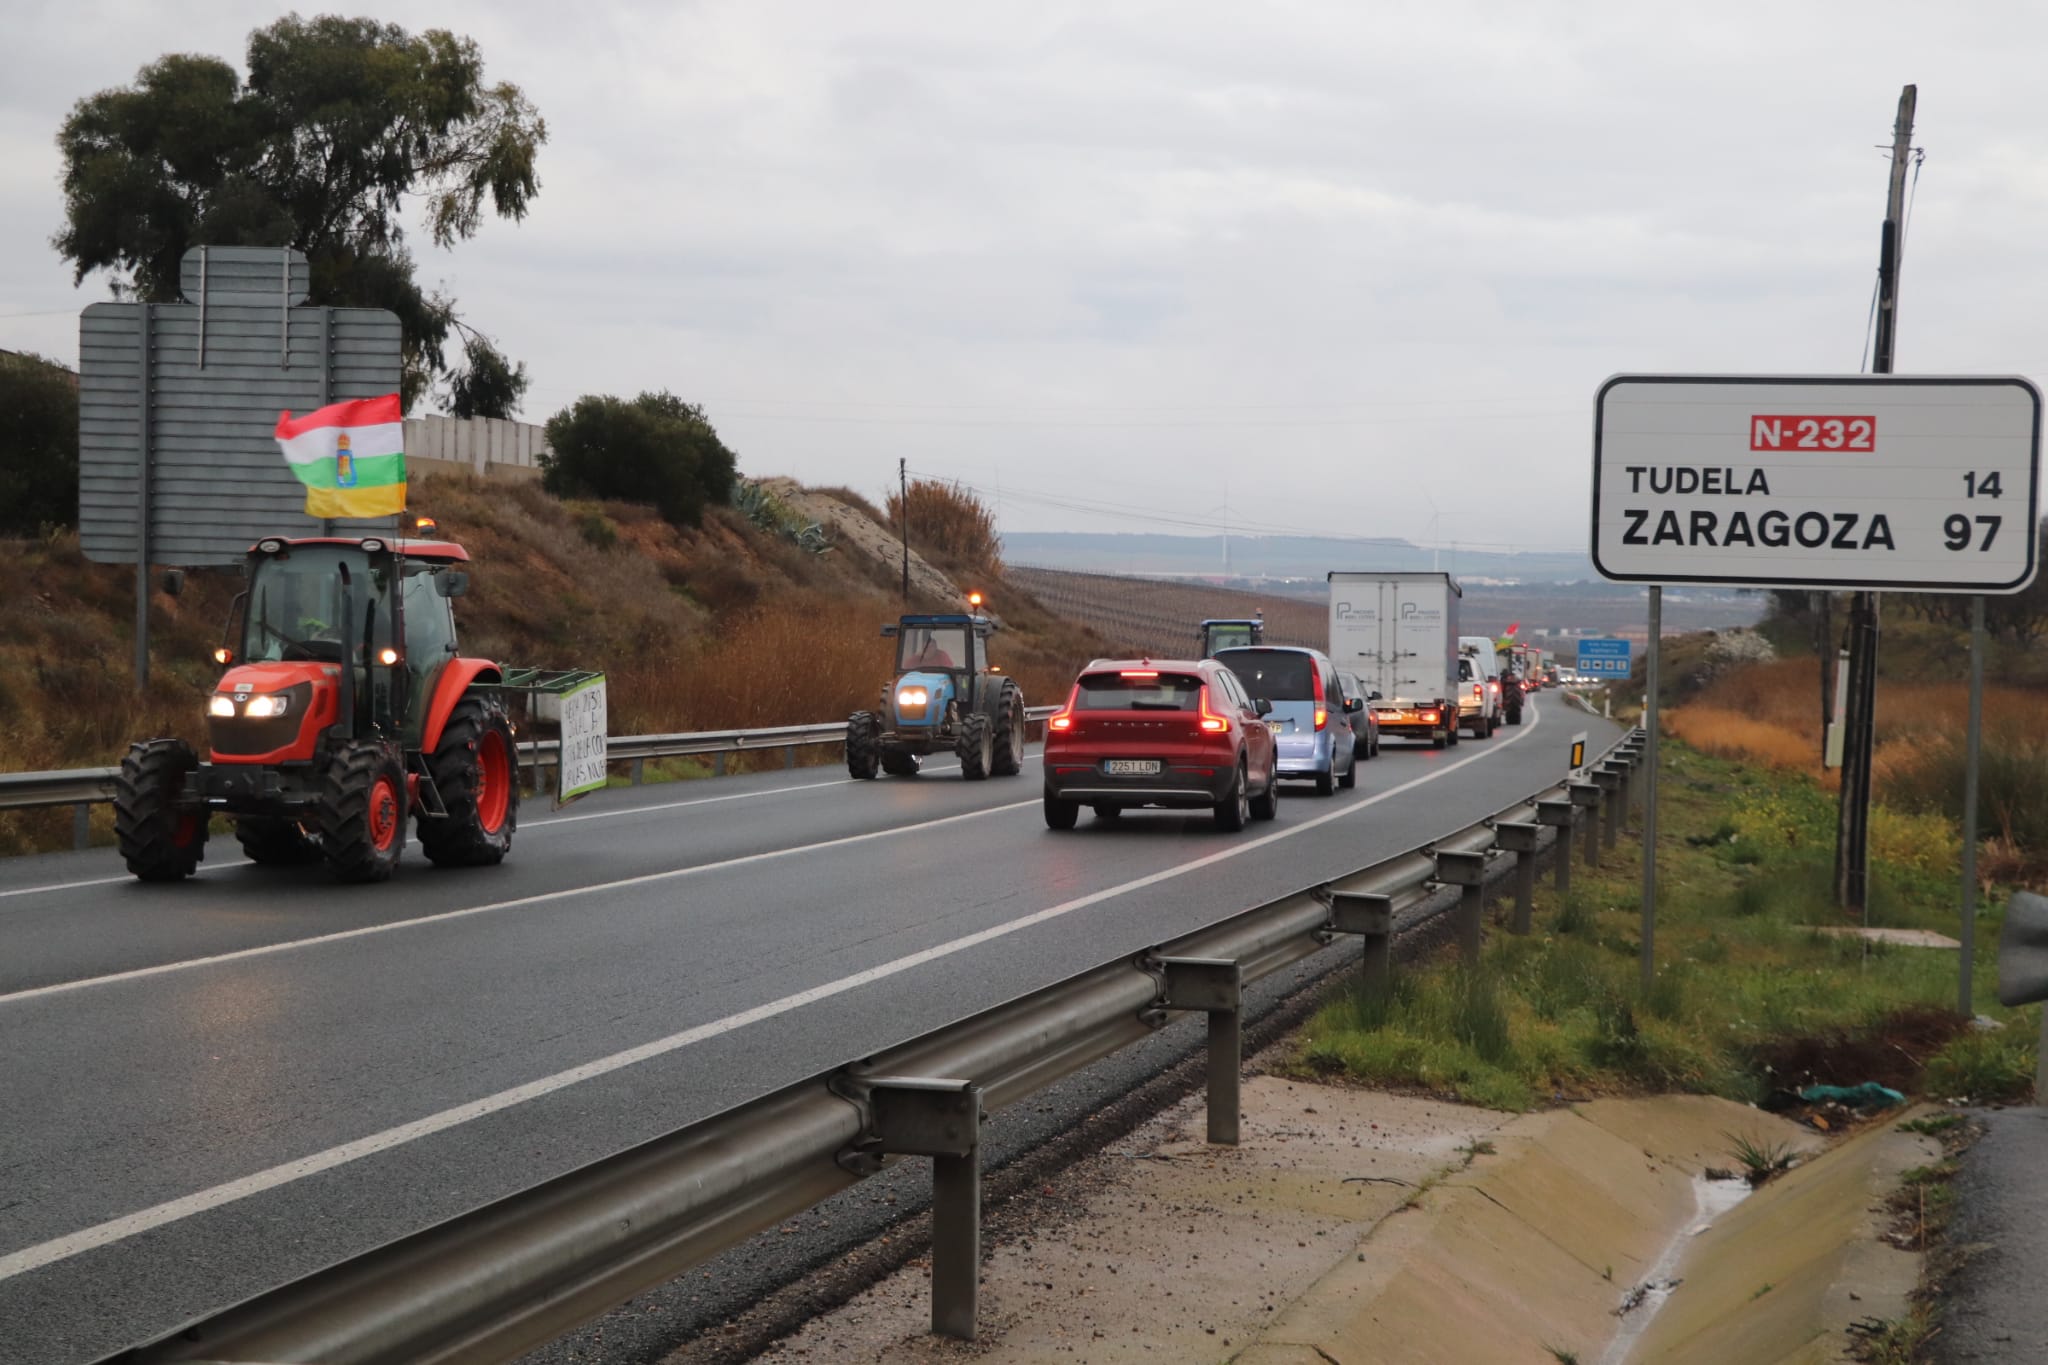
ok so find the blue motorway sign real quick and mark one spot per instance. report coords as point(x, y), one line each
point(1604, 658)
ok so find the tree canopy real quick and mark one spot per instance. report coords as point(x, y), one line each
point(656, 450)
point(341, 124)
point(38, 445)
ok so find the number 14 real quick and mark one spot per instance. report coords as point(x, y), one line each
point(1982, 485)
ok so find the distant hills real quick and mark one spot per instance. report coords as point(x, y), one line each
point(1278, 557)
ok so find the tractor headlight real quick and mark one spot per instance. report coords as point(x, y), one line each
point(912, 696)
point(262, 708)
point(220, 706)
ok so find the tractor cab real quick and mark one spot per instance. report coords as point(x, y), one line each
point(943, 696)
point(1232, 633)
point(382, 606)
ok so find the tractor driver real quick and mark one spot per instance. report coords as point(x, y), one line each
point(929, 653)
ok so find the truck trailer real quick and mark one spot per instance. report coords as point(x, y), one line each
point(1399, 632)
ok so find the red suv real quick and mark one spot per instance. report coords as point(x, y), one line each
point(1174, 733)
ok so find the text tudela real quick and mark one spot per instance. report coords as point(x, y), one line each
point(1684, 478)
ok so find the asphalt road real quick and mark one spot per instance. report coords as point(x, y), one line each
point(214, 1087)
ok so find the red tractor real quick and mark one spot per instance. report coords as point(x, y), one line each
point(344, 709)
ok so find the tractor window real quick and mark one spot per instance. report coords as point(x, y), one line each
point(295, 606)
point(927, 647)
point(429, 624)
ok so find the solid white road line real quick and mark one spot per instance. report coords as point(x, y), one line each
point(533, 827)
point(118, 1229)
point(540, 898)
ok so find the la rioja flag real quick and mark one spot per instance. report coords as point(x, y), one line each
point(350, 456)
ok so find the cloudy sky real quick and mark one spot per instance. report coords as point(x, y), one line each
point(1164, 266)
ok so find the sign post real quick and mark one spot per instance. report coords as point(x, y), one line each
point(1860, 483)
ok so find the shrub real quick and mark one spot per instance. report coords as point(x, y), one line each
point(38, 446)
point(1985, 1067)
point(949, 525)
point(656, 450)
point(2012, 783)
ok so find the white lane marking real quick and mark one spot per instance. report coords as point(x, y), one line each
point(551, 821)
point(368, 930)
point(532, 827)
point(119, 1229)
point(109, 881)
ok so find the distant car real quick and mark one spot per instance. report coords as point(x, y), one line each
point(1365, 724)
point(1311, 713)
point(1171, 733)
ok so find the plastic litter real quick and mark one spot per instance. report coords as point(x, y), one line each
point(1869, 1095)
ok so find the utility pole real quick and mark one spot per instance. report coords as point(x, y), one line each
point(903, 521)
point(1852, 827)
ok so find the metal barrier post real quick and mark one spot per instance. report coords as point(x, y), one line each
point(718, 764)
point(940, 1118)
point(1586, 796)
point(1371, 917)
point(1558, 815)
point(789, 756)
point(1467, 871)
point(81, 825)
point(1216, 986)
point(639, 770)
point(1608, 778)
point(1520, 840)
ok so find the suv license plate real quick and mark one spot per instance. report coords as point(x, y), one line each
point(1131, 767)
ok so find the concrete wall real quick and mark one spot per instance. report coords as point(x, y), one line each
point(489, 447)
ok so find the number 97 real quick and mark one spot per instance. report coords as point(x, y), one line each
point(1956, 531)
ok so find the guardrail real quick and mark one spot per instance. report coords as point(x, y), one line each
point(82, 788)
point(515, 1274)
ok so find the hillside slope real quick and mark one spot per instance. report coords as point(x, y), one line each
point(732, 624)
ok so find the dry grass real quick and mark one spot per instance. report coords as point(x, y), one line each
point(1770, 714)
point(949, 526)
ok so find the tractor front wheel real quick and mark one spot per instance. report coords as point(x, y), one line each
point(1009, 731)
point(276, 843)
point(863, 745)
point(976, 747)
point(362, 812)
point(159, 841)
point(473, 770)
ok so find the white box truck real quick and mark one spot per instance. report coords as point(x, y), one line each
point(1399, 633)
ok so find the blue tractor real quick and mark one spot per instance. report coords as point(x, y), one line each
point(944, 698)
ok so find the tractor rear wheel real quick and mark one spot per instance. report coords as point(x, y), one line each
point(473, 770)
point(1009, 731)
point(863, 745)
point(159, 841)
point(362, 812)
point(976, 746)
point(276, 843)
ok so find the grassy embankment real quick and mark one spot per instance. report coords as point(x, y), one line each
point(1750, 996)
point(731, 624)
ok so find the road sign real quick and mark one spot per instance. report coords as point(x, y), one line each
point(1604, 658)
point(1851, 482)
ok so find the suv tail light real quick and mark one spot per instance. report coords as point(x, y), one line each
point(1210, 722)
point(1062, 720)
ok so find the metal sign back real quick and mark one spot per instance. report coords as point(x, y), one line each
point(1847, 482)
point(178, 403)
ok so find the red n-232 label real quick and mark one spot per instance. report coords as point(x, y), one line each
point(1812, 433)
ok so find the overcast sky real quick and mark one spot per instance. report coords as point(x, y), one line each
point(1289, 260)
